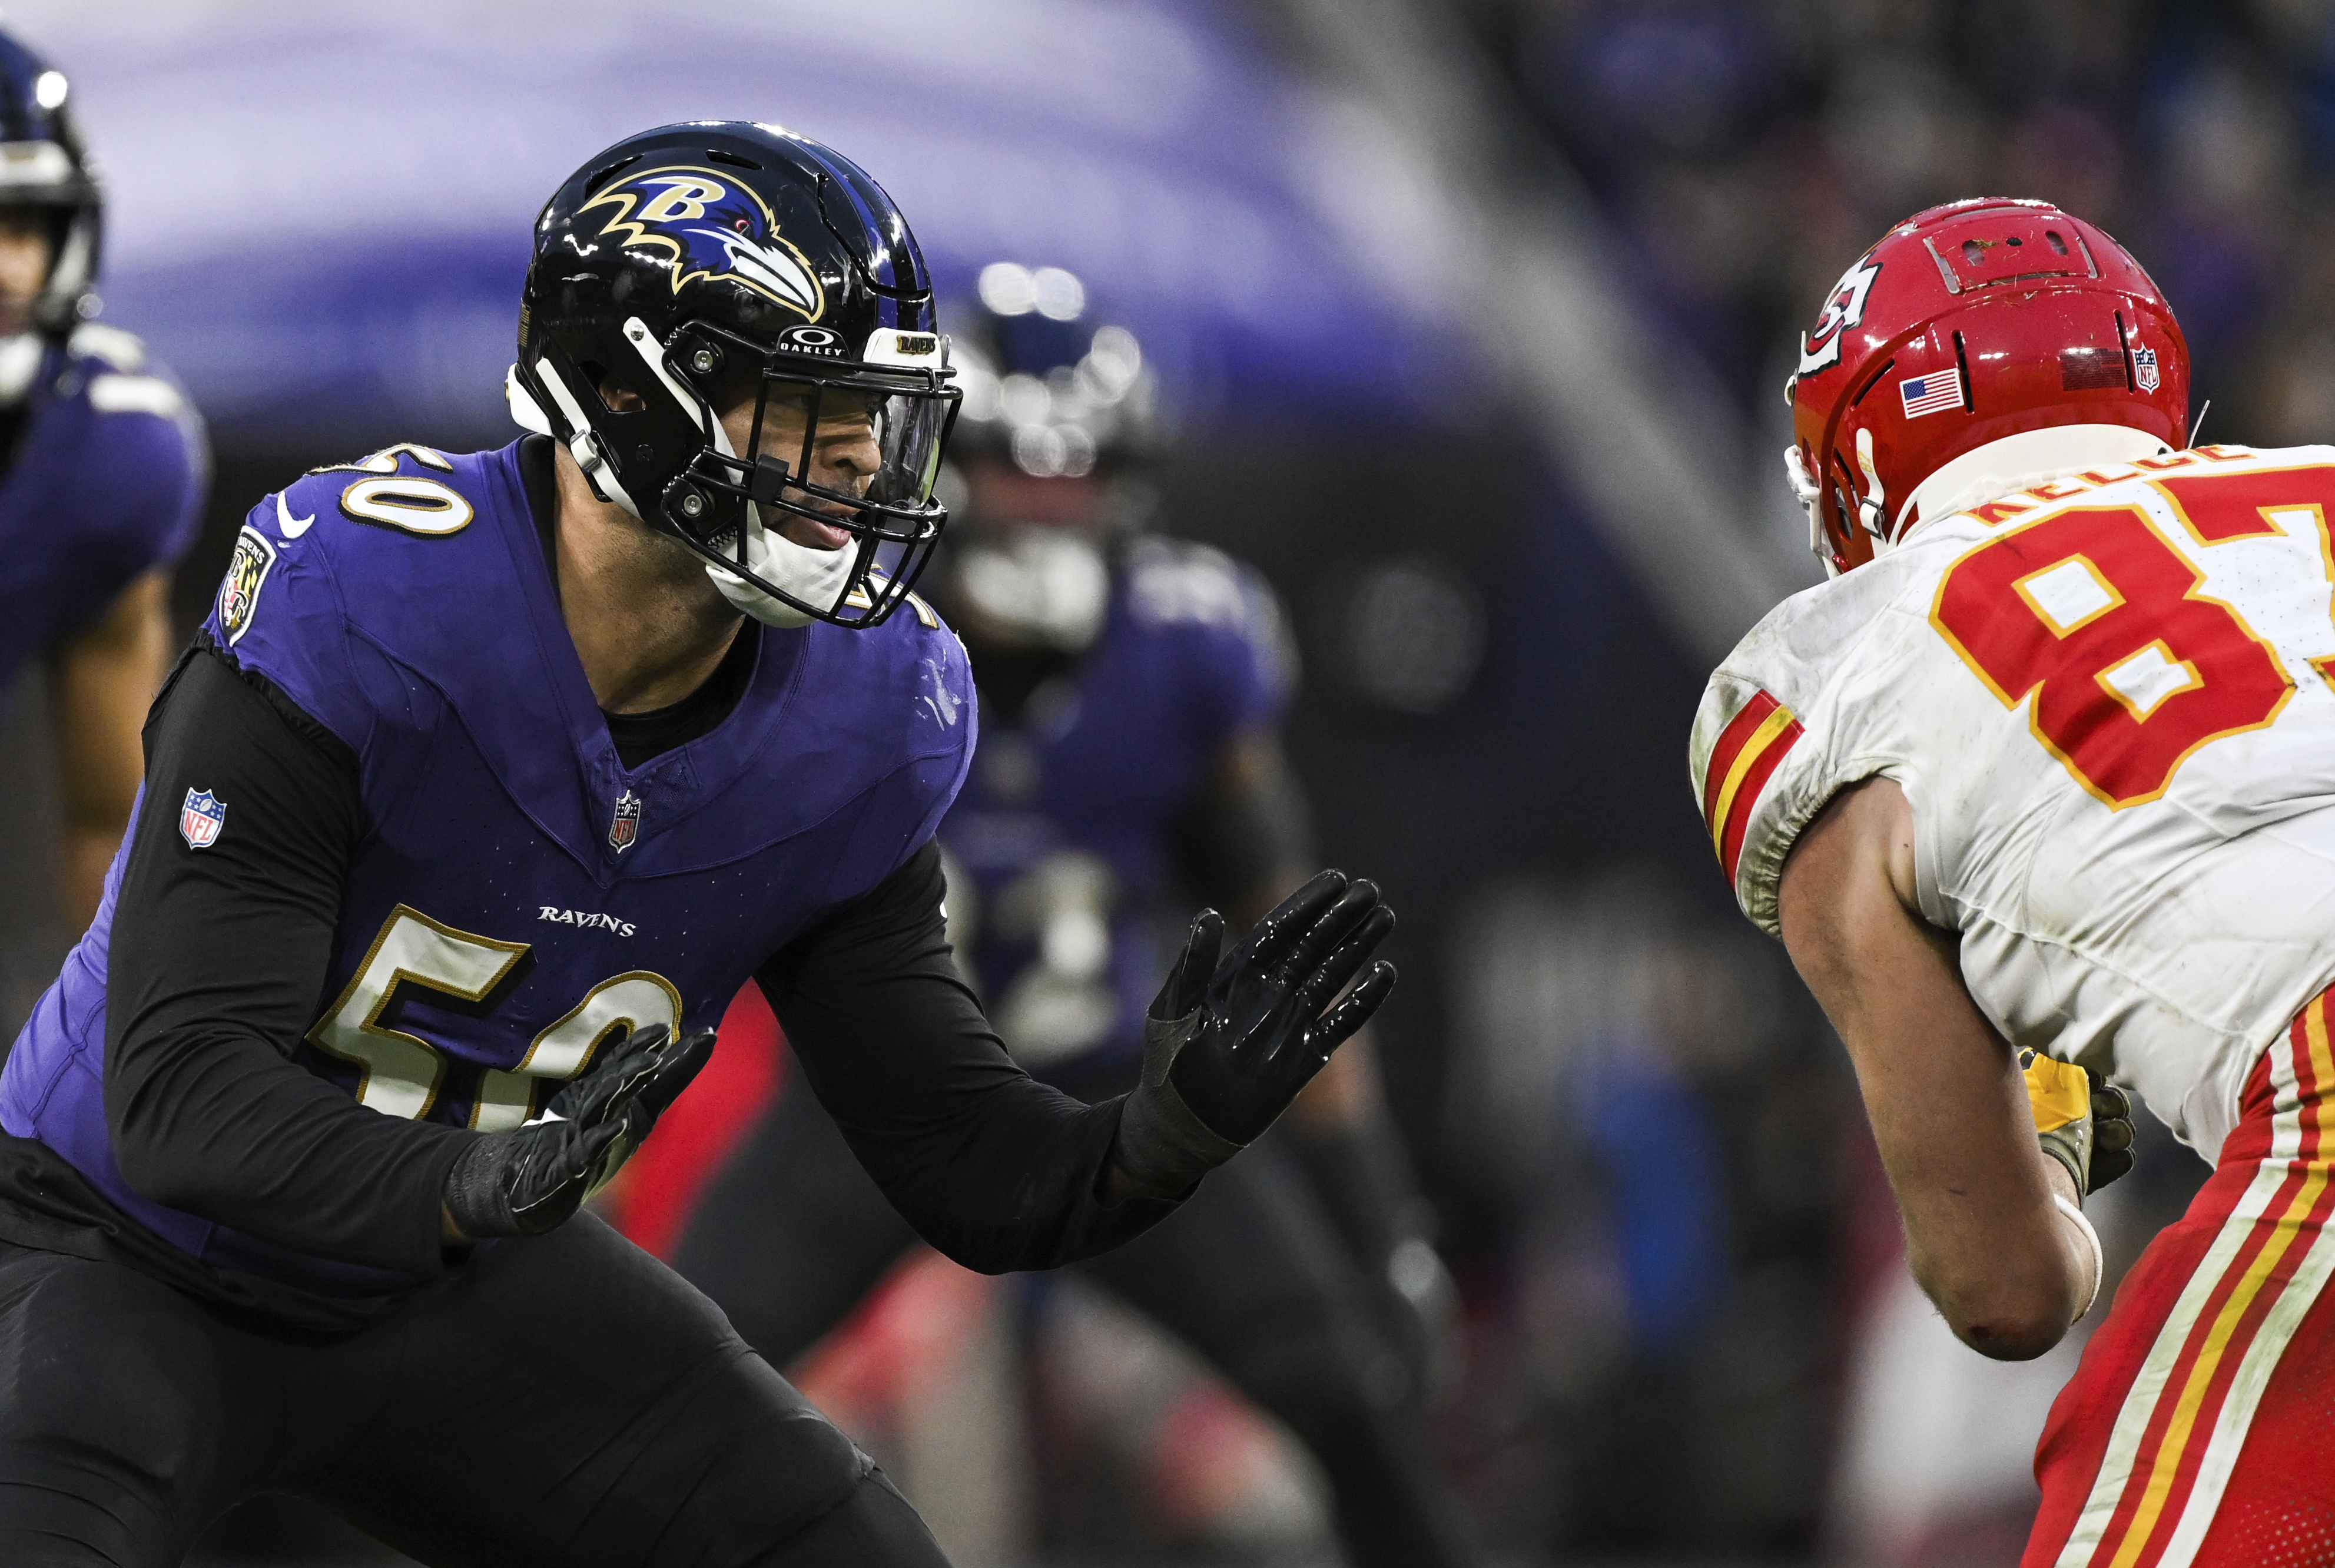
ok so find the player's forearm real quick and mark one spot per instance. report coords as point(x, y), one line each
point(1942, 1091)
point(219, 1125)
point(993, 1169)
point(2009, 1289)
point(1246, 841)
point(84, 852)
point(218, 955)
point(101, 683)
point(1010, 1176)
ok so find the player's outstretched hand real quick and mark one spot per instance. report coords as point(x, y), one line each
point(2082, 1120)
point(524, 1182)
point(1229, 1044)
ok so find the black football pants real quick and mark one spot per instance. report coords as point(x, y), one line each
point(567, 1400)
point(1249, 1273)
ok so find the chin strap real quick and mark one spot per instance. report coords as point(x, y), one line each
point(20, 363)
point(1872, 509)
point(814, 577)
point(1050, 586)
point(530, 415)
point(1810, 495)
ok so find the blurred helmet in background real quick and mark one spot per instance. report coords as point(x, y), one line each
point(704, 263)
point(1979, 322)
point(44, 166)
point(1059, 419)
point(1048, 386)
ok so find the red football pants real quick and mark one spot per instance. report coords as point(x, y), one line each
point(2200, 1427)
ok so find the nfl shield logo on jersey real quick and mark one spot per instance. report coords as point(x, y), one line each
point(626, 824)
point(2143, 369)
point(200, 818)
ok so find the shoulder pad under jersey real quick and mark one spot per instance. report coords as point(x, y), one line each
point(1178, 584)
point(285, 606)
point(1777, 734)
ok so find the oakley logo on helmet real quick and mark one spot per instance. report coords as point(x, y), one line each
point(1820, 346)
point(824, 341)
point(709, 227)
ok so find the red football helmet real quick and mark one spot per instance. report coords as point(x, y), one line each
point(1968, 323)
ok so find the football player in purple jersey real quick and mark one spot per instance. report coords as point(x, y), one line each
point(487, 783)
point(1132, 690)
point(102, 470)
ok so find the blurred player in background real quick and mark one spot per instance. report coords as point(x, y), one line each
point(1131, 687)
point(2041, 781)
point(102, 478)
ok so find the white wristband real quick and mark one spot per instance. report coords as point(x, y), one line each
point(2099, 1260)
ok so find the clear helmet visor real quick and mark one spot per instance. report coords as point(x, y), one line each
point(910, 432)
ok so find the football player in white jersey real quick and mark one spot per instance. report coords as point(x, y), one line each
point(2044, 778)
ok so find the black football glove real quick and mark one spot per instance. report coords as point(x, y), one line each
point(524, 1182)
point(2082, 1120)
point(1228, 1045)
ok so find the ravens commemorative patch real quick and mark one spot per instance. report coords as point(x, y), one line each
point(246, 573)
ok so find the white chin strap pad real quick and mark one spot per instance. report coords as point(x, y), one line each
point(814, 577)
point(20, 361)
point(526, 412)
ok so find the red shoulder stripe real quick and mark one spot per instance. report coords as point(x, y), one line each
point(1747, 796)
point(1731, 741)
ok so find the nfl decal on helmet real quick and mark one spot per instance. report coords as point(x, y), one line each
point(200, 818)
point(246, 574)
point(704, 267)
point(1968, 310)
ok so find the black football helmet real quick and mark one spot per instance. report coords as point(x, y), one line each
point(44, 164)
point(702, 263)
point(1048, 383)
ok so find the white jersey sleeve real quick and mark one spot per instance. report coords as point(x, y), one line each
point(2111, 702)
point(1772, 743)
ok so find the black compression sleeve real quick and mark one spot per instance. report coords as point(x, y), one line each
point(992, 1167)
point(217, 964)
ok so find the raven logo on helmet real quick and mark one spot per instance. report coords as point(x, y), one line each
point(712, 227)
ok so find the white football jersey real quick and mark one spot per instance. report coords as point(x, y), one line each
point(2111, 702)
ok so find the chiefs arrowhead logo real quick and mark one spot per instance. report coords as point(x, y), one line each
point(1843, 308)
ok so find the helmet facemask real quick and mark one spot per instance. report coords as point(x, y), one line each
point(673, 461)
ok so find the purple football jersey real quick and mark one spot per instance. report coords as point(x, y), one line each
point(1060, 846)
point(107, 485)
point(520, 895)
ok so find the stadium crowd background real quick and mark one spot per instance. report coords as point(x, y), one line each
point(1678, 1267)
